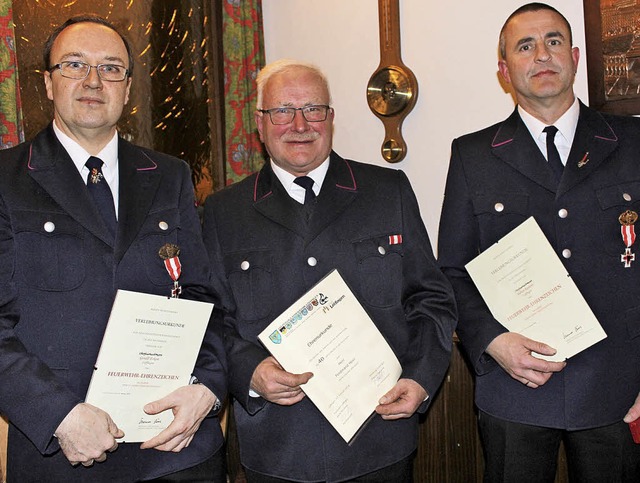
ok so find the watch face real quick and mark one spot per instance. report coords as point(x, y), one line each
point(389, 91)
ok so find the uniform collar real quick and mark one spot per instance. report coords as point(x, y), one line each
point(295, 191)
point(79, 155)
point(566, 124)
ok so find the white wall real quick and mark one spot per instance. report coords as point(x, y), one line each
point(451, 47)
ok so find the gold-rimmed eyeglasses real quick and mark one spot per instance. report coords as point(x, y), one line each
point(73, 69)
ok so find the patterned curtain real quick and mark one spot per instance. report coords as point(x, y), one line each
point(243, 51)
point(11, 130)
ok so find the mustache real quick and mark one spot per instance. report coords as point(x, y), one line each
point(300, 137)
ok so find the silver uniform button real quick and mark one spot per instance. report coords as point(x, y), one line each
point(245, 265)
point(163, 225)
point(381, 250)
point(626, 196)
point(563, 213)
point(566, 253)
point(49, 226)
point(312, 262)
point(498, 207)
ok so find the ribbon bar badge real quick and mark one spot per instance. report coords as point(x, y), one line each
point(169, 254)
point(627, 220)
point(395, 239)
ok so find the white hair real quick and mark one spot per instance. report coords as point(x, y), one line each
point(284, 65)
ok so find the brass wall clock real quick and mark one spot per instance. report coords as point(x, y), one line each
point(392, 90)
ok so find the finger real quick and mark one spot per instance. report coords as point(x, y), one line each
point(112, 427)
point(113, 448)
point(538, 378)
point(294, 380)
point(101, 458)
point(397, 408)
point(289, 401)
point(87, 464)
point(154, 442)
point(162, 439)
point(159, 405)
point(542, 365)
point(393, 417)
point(182, 445)
point(390, 396)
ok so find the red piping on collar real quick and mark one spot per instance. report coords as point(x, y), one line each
point(354, 186)
point(615, 137)
point(155, 165)
point(29, 160)
point(495, 145)
point(255, 188)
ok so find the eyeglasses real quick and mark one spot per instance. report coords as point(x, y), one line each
point(286, 115)
point(73, 69)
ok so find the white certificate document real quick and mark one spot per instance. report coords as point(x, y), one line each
point(149, 349)
point(529, 291)
point(327, 332)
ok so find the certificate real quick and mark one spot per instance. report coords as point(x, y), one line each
point(149, 349)
point(327, 332)
point(529, 291)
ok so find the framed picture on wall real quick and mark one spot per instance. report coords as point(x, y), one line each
point(613, 55)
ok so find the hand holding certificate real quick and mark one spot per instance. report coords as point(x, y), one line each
point(327, 332)
point(529, 291)
point(149, 349)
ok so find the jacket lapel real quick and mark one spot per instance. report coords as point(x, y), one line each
point(139, 181)
point(514, 145)
point(594, 142)
point(271, 200)
point(339, 189)
point(51, 167)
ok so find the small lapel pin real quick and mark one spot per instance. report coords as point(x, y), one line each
point(584, 160)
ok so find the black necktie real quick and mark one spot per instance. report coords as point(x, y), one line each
point(307, 184)
point(101, 193)
point(553, 156)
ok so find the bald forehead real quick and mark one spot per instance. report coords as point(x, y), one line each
point(76, 38)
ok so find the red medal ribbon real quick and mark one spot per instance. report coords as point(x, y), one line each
point(173, 267)
point(395, 239)
point(628, 235)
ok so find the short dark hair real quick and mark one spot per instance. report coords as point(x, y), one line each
point(529, 7)
point(90, 18)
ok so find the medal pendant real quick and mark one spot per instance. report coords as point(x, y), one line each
point(627, 257)
point(176, 291)
point(627, 230)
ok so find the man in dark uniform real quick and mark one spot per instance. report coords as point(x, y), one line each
point(64, 254)
point(272, 237)
point(576, 172)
